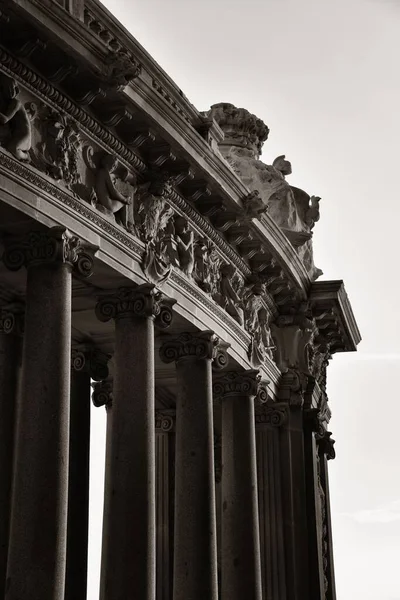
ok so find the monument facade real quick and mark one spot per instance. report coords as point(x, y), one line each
point(152, 262)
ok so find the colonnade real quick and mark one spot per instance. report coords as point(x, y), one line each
point(43, 514)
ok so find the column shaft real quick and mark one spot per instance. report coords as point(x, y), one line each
point(9, 361)
point(294, 505)
point(78, 487)
point(270, 513)
point(36, 563)
point(241, 569)
point(314, 515)
point(128, 557)
point(195, 564)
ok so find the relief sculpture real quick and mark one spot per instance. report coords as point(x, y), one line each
point(110, 199)
point(15, 120)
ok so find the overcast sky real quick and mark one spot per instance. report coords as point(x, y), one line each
point(325, 77)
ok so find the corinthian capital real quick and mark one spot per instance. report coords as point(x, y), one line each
point(102, 393)
point(56, 245)
point(91, 361)
point(12, 319)
point(241, 383)
point(139, 302)
point(201, 345)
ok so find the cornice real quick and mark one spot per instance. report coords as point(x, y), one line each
point(144, 93)
point(331, 306)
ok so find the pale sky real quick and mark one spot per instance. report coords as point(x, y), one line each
point(325, 77)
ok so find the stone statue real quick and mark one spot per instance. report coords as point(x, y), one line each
point(184, 240)
point(229, 297)
point(257, 325)
point(292, 209)
point(15, 120)
point(109, 199)
point(156, 230)
point(207, 264)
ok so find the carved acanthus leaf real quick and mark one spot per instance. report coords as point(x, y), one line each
point(140, 302)
point(241, 383)
point(202, 345)
point(54, 245)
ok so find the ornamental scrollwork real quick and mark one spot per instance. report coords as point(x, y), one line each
point(91, 361)
point(271, 413)
point(140, 302)
point(164, 423)
point(56, 244)
point(202, 345)
point(241, 383)
point(12, 319)
point(102, 394)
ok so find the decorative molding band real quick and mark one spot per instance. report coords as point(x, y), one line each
point(79, 206)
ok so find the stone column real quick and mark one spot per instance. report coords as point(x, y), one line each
point(270, 417)
point(195, 554)
point(326, 452)
point(128, 554)
point(293, 481)
point(87, 363)
point(312, 426)
point(165, 425)
point(37, 547)
point(240, 535)
point(10, 328)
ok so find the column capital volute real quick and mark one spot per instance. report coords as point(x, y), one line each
point(195, 346)
point(90, 360)
point(143, 301)
point(54, 246)
point(271, 414)
point(164, 422)
point(102, 394)
point(12, 318)
point(241, 383)
point(326, 444)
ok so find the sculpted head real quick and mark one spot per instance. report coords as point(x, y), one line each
point(8, 87)
point(109, 162)
point(181, 225)
point(282, 165)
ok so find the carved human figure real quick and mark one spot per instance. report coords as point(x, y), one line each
point(15, 119)
point(109, 199)
point(184, 238)
point(155, 215)
point(230, 299)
